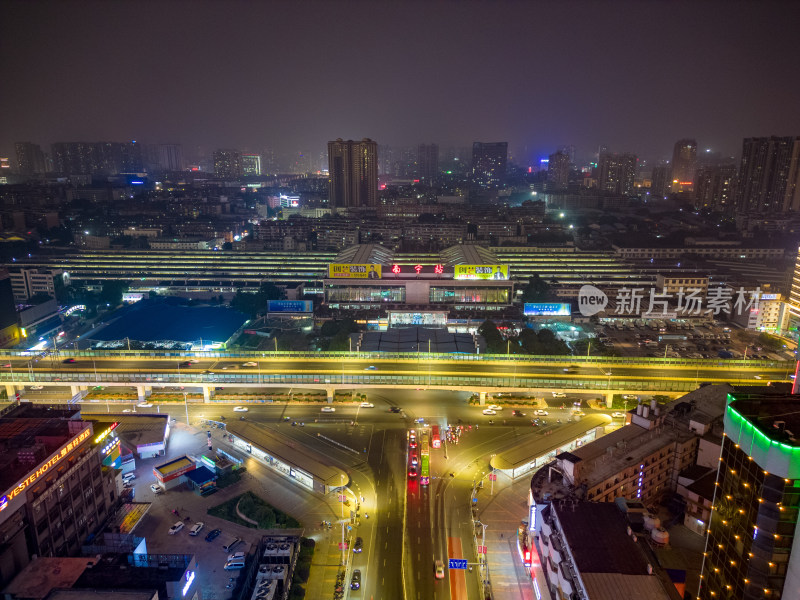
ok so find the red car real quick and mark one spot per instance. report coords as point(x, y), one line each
point(412, 443)
point(412, 472)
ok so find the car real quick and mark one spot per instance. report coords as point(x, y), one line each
point(194, 360)
point(213, 534)
point(128, 477)
point(495, 407)
point(412, 472)
point(617, 415)
point(68, 361)
point(235, 556)
point(438, 569)
point(518, 413)
point(395, 409)
point(196, 528)
point(7, 366)
point(232, 545)
point(489, 411)
point(559, 395)
point(156, 489)
point(250, 364)
point(145, 405)
point(757, 376)
point(185, 363)
point(540, 413)
point(36, 387)
point(371, 368)
point(367, 405)
point(412, 443)
point(359, 545)
point(239, 409)
point(328, 409)
point(414, 459)
point(176, 528)
point(234, 564)
point(578, 413)
point(629, 397)
point(355, 580)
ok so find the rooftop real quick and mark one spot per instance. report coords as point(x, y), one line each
point(162, 321)
point(43, 574)
point(287, 450)
point(137, 430)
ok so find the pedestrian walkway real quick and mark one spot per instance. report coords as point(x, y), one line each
point(502, 511)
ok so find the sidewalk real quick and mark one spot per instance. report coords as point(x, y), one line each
point(502, 512)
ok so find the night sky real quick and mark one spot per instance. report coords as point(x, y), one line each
point(634, 76)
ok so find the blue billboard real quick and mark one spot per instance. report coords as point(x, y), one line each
point(290, 306)
point(546, 309)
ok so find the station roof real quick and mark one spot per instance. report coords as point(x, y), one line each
point(415, 339)
point(365, 254)
point(289, 451)
point(135, 430)
point(170, 467)
point(538, 445)
point(468, 254)
point(162, 321)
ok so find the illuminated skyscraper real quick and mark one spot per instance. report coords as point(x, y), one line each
point(769, 175)
point(616, 173)
point(353, 172)
point(684, 164)
point(228, 164)
point(752, 541)
point(715, 186)
point(30, 158)
point(558, 170)
point(489, 160)
point(251, 164)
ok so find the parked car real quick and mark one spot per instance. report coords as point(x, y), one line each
point(156, 489)
point(128, 477)
point(213, 534)
point(196, 528)
point(176, 528)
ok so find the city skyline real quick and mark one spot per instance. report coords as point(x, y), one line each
point(484, 72)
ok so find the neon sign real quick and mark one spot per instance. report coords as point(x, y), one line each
point(189, 580)
point(418, 268)
point(105, 434)
point(395, 269)
point(65, 450)
point(438, 269)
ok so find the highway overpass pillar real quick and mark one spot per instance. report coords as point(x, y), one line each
point(482, 396)
point(143, 391)
point(208, 393)
point(74, 390)
point(609, 399)
point(330, 392)
point(11, 390)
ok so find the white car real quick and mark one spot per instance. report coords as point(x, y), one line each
point(541, 413)
point(196, 528)
point(250, 364)
point(617, 415)
point(145, 405)
point(127, 410)
point(495, 407)
point(239, 409)
point(36, 387)
point(156, 489)
point(489, 411)
point(128, 477)
point(176, 528)
point(367, 405)
point(629, 397)
point(194, 360)
point(236, 555)
point(559, 395)
point(328, 409)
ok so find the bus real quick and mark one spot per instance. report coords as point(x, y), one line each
point(436, 440)
point(424, 460)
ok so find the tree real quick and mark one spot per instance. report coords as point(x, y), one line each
point(111, 292)
point(494, 341)
point(537, 290)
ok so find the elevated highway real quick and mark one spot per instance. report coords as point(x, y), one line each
point(329, 371)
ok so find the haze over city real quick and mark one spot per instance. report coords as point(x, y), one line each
point(630, 76)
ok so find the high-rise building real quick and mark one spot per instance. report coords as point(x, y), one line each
point(558, 170)
point(93, 158)
point(684, 163)
point(353, 172)
point(616, 173)
point(170, 157)
point(228, 164)
point(251, 164)
point(489, 161)
point(769, 175)
point(428, 163)
point(752, 541)
point(660, 180)
point(715, 187)
point(30, 158)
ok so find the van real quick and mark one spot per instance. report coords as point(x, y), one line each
point(232, 545)
point(234, 564)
